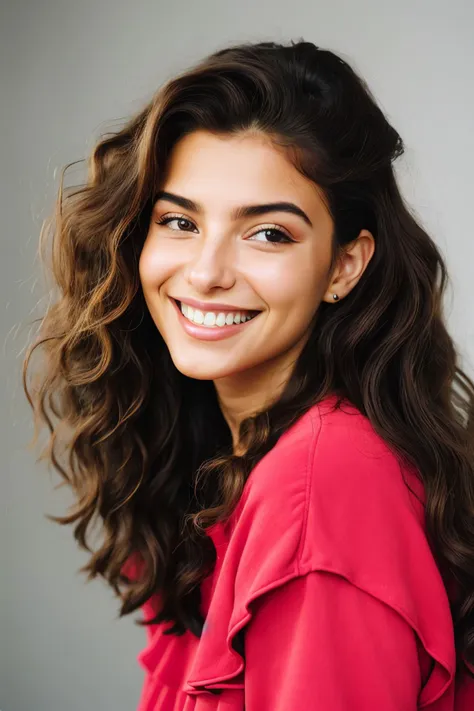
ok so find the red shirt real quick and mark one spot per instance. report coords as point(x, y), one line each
point(326, 565)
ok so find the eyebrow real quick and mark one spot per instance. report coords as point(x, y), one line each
point(239, 212)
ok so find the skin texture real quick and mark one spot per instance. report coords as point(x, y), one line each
point(215, 258)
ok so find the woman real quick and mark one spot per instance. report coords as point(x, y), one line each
point(265, 410)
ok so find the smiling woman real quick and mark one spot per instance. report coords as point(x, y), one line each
point(265, 409)
point(276, 274)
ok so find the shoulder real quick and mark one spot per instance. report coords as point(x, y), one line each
point(365, 516)
point(332, 496)
point(331, 464)
point(359, 490)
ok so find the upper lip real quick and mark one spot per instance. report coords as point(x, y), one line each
point(210, 306)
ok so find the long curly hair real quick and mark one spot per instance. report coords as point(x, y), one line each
point(146, 449)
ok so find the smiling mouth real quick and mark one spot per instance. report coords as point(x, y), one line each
point(215, 319)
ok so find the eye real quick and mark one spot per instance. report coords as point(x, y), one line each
point(271, 235)
point(183, 222)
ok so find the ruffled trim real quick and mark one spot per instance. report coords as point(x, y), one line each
point(165, 656)
point(163, 698)
point(218, 664)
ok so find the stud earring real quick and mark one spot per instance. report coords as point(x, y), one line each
point(335, 297)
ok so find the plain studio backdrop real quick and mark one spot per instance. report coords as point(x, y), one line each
point(72, 69)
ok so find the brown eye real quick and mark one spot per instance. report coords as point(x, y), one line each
point(184, 224)
point(272, 235)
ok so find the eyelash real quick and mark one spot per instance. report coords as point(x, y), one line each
point(274, 228)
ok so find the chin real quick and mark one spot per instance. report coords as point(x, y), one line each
point(206, 367)
point(202, 371)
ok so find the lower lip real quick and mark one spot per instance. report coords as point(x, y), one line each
point(209, 333)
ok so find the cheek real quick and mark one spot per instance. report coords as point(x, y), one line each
point(293, 287)
point(155, 266)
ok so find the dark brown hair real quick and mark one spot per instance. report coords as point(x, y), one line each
point(149, 455)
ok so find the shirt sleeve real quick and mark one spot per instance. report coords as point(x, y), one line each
point(319, 642)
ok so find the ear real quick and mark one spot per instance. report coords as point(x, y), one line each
point(351, 264)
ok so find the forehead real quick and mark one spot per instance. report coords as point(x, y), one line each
point(234, 170)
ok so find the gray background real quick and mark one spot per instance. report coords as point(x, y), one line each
point(69, 69)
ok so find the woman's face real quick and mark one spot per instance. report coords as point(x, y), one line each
point(248, 280)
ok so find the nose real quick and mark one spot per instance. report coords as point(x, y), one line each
point(212, 266)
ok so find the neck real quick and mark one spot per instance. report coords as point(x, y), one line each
point(243, 395)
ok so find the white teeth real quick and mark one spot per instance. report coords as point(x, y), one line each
point(211, 318)
point(198, 316)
